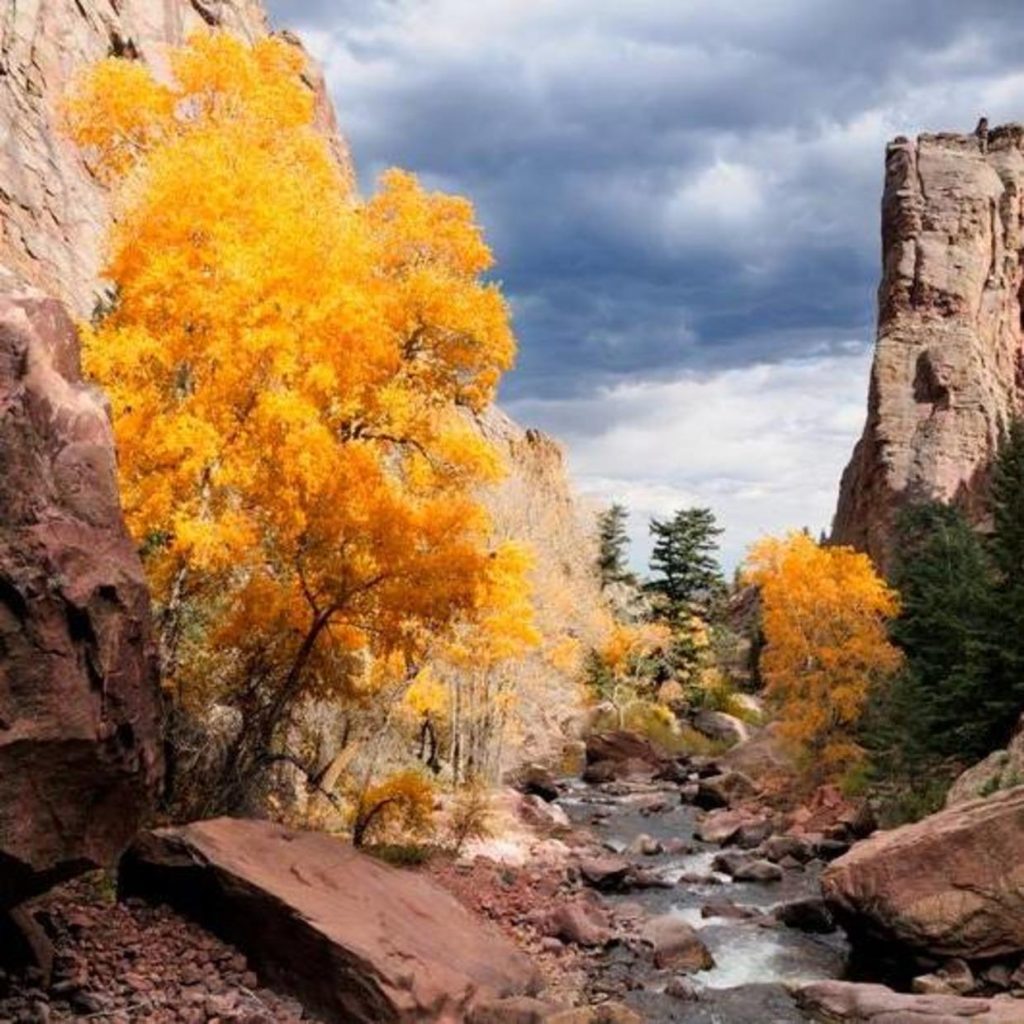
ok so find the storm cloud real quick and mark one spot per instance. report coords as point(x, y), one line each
point(676, 191)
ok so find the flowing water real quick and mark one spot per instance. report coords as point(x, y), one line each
point(753, 963)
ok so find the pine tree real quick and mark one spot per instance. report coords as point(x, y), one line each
point(941, 705)
point(684, 563)
point(614, 545)
point(1006, 699)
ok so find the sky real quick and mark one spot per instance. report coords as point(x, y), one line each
point(683, 201)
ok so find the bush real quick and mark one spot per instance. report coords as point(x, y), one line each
point(470, 817)
point(399, 807)
point(402, 855)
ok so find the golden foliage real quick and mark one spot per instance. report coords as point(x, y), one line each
point(400, 807)
point(289, 368)
point(824, 620)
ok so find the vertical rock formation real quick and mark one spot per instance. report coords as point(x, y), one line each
point(535, 504)
point(79, 700)
point(947, 373)
point(53, 215)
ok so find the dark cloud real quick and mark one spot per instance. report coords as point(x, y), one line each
point(667, 187)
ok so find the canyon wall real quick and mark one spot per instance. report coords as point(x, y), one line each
point(53, 214)
point(947, 373)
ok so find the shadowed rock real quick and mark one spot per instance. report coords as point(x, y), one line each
point(79, 724)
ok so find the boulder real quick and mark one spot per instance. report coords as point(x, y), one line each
point(845, 1002)
point(536, 811)
point(949, 885)
point(723, 790)
point(79, 699)
point(353, 939)
point(721, 825)
point(621, 745)
point(676, 945)
point(536, 780)
point(645, 846)
point(605, 873)
point(757, 871)
point(581, 922)
point(778, 848)
point(717, 725)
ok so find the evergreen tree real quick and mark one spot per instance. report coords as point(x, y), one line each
point(1006, 699)
point(940, 706)
point(684, 562)
point(614, 545)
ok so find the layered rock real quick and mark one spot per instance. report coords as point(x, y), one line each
point(950, 885)
point(947, 374)
point(354, 940)
point(79, 700)
point(53, 215)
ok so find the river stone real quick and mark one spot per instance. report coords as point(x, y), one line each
point(724, 790)
point(676, 944)
point(606, 873)
point(757, 871)
point(581, 922)
point(645, 846)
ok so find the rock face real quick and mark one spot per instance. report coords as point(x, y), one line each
point(79, 700)
point(53, 215)
point(354, 940)
point(951, 885)
point(535, 503)
point(948, 370)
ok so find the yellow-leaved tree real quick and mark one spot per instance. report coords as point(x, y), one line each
point(824, 615)
point(290, 369)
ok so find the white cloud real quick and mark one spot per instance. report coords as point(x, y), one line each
point(762, 445)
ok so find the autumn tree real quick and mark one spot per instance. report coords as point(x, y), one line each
point(289, 368)
point(825, 612)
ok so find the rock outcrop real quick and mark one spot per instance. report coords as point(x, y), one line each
point(844, 1002)
point(948, 369)
point(354, 940)
point(950, 885)
point(1002, 769)
point(79, 701)
point(53, 215)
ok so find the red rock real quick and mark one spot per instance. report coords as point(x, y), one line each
point(355, 940)
point(79, 719)
point(676, 945)
point(621, 746)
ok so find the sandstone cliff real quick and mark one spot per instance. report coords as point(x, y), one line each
point(947, 372)
point(535, 504)
point(53, 215)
